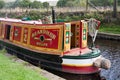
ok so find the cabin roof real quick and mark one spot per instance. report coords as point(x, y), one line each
point(19, 20)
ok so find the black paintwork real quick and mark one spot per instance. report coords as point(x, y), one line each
point(44, 60)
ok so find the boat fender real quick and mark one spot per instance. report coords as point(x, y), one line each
point(102, 63)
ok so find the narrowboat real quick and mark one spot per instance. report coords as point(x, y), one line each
point(59, 46)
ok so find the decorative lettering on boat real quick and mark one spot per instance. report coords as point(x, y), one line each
point(50, 34)
point(46, 38)
point(41, 44)
point(25, 35)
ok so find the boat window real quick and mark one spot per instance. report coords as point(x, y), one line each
point(7, 31)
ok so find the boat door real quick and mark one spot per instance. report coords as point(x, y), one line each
point(75, 34)
point(1, 26)
point(7, 32)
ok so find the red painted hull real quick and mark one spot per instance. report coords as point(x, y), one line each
point(80, 70)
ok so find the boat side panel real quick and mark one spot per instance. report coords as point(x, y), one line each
point(47, 38)
point(24, 35)
point(17, 33)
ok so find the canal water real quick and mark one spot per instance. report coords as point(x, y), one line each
point(110, 49)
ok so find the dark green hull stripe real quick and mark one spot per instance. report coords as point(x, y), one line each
point(93, 54)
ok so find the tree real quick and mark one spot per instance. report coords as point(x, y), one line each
point(102, 2)
point(82, 3)
point(70, 4)
point(16, 3)
point(46, 5)
point(24, 3)
point(62, 3)
point(36, 4)
point(10, 5)
point(115, 9)
point(2, 4)
point(119, 2)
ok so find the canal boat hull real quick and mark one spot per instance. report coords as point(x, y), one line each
point(75, 65)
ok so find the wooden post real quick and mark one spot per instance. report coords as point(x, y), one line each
point(86, 5)
point(115, 9)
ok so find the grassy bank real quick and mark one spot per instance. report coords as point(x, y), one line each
point(11, 70)
point(110, 28)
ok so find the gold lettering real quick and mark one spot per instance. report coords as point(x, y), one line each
point(50, 34)
point(41, 44)
point(32, 35)
point(25, 38)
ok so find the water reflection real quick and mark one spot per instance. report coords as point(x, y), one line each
point(68, 76)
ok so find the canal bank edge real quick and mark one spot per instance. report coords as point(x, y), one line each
point(109, 36)
point(44, 73)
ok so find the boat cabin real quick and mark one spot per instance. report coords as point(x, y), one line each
point(58, 38)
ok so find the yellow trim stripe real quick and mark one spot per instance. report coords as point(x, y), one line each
point(78, 65)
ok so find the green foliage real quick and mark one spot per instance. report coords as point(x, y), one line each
point(67, 18)
point(46, 5)
point(69, 3)
point(27, 4)
point(119, 2)
point(10, 5)
point(82, 3)
point(94, 15)
point(36, 4)
point(102, 2)
point(62, 3)
point(35, 15)
point(16, 3)
point(110, 28)
point(74, 17)
point(24, 3)
point(2, 4)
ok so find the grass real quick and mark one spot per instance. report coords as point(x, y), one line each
point(10, 70)
point(110, 28)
